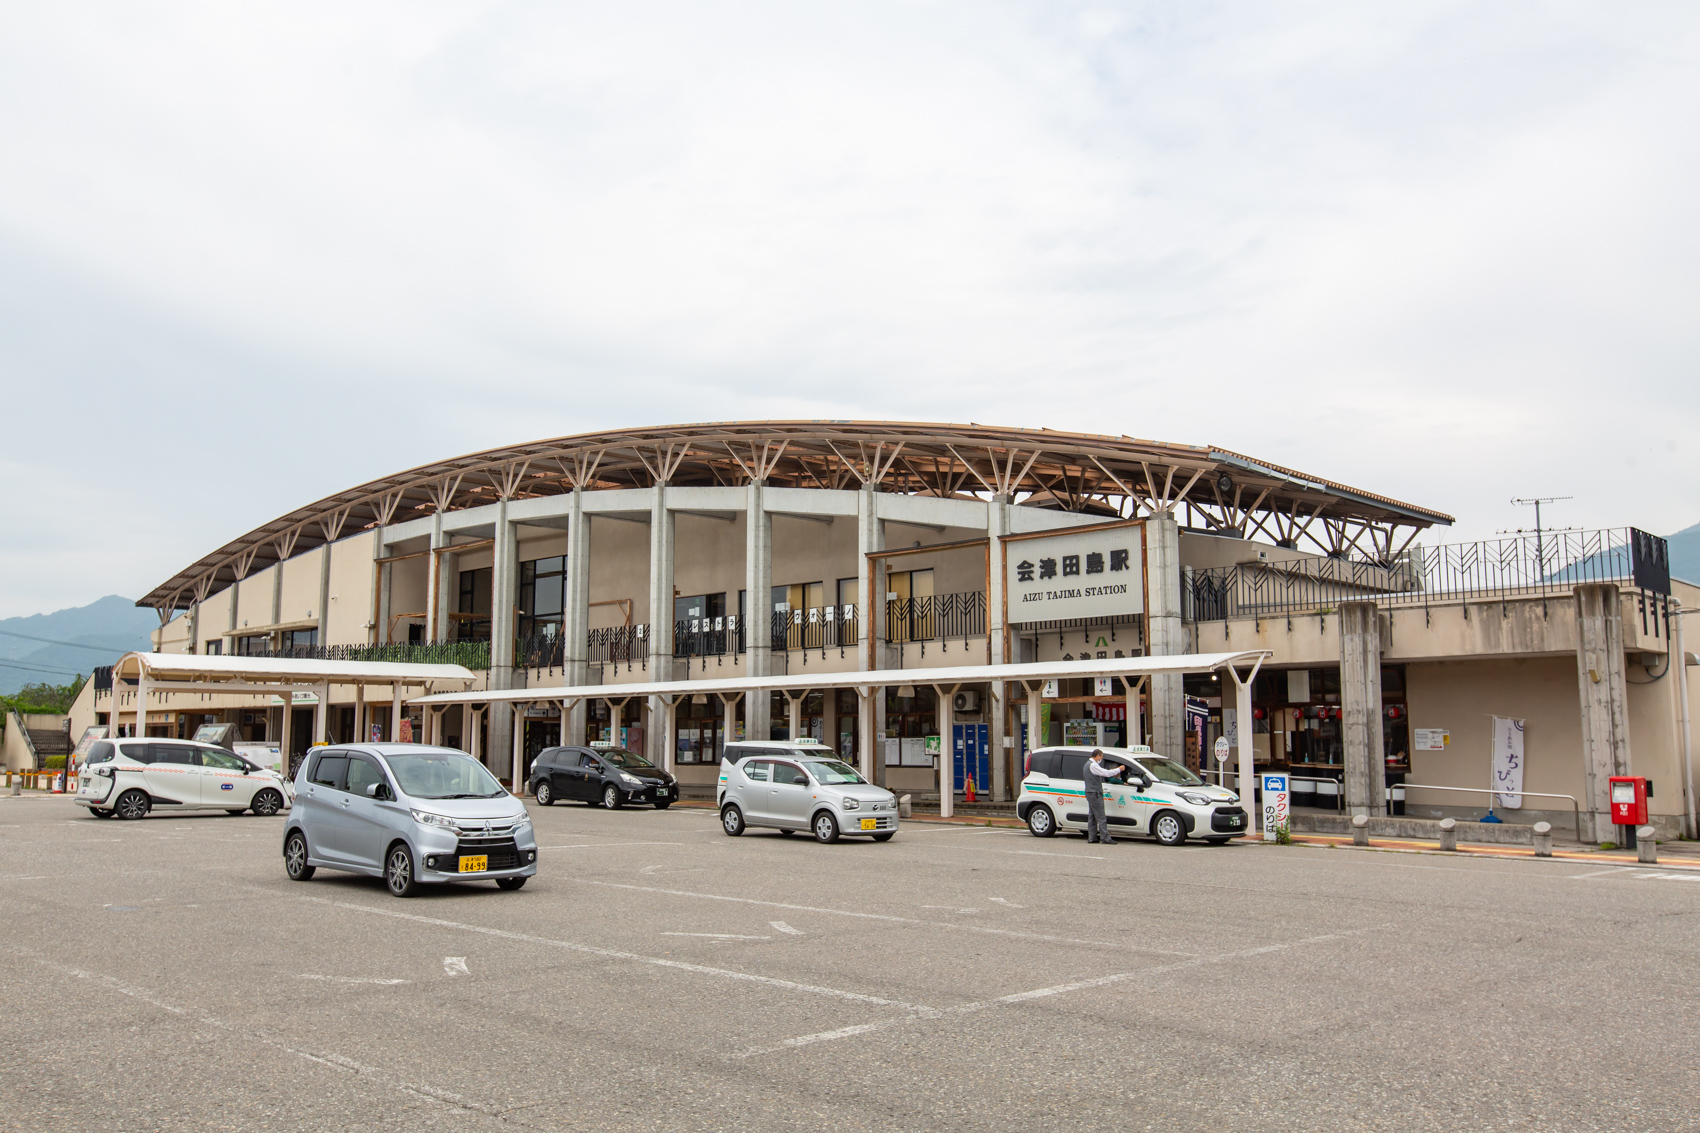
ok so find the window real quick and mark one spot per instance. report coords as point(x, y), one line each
point(254, 645)
point(301, 638)
point(472, 607)
point(224, 761)
point(174, 753)
point(789, 775)
point(1046, 763)
point(1072, 765)
point(444, 776)
point(542, 586)
point(757, 770)
point(330, 771)
point(589, 762)
point(141, 753)
point(909, 605)
point(362, 773)
point(100, 753)
point(699, 606)
point(215, 648)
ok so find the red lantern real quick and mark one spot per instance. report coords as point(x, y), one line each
point(1259, 713)
point(1394, 712)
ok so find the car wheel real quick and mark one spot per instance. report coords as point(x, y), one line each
point(544, 795)
point(295, 857)
point(663, 805)
point(1169, 828)
point(1041, 823)
point(267, 803)
point(611, 798)
point(98, 813)
point(886, 837)
point(826, 828)
point(133, 804)
point(1217, 841)
point(398, 872)
point(511, 883)
point(732, 820)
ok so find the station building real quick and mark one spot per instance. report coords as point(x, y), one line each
point(1393, 662)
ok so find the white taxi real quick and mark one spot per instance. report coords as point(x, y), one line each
point(128, 778)
point(1152, 796)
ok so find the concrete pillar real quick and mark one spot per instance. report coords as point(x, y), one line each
point(1035, 709)
point(1166, 636)
point(1360, 708)
point(870, 591)
point(322, 712)
point(575, 613)
point(516, 773)
point(360, 733)
point(324, 610)
point(669, 734)
point(729, 724)
point(1134, 731)
point(758, 608)
point(794, 715)
point(386, 575)
point(142, 689)
point(475, 732)
point(945, 714)
point(1247, 760)
point(286, 728)
point(1605, 718)
point(434, 606)
point(195, 628)
point(997, 636)
point(867, 731)
point(504, 579)
point(829, 718)
point(661, 533)
point(277, 593)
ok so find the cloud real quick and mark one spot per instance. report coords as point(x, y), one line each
point(1444, 251)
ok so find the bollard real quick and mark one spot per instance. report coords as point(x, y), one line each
point(1646, 850)
point(1543, 839)
point(1449, 835)
point(903, 806)
point(1360, 830)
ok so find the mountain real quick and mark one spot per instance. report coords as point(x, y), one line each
point(1685, 554)
point(96, 634)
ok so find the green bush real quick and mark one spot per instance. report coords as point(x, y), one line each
point(54, 763)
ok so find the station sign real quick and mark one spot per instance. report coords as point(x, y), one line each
point(1086, 574)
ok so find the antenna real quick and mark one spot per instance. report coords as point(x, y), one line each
point(1537, 506)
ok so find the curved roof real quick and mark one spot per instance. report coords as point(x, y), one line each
point(1074, 471)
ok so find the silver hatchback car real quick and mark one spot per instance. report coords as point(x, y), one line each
point(806, 792)
point(408, 813)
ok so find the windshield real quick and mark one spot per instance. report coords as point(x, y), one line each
point(443, 775)
point(1168, 771)
point(619, 757)
point(832, 772)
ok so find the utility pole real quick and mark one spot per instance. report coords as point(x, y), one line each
point(1537, 505)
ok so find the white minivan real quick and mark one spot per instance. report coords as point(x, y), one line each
point(1152, 796)
point(128, 778)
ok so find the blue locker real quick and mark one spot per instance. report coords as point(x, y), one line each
point(973, 756)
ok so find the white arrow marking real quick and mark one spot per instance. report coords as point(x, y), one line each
point(718, 935)
point(455, 966)
point(1010, 904)
point(352, 980)
point(952, 908)
point(785, 928)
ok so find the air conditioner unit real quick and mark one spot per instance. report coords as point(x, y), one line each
point(965, 702)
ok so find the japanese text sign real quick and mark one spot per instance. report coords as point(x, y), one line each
point(1086, 575)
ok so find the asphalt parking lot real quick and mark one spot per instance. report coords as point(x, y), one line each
point(165, 975)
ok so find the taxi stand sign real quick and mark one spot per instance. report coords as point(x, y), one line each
point(1275, 806)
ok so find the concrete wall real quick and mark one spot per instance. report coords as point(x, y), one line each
point(350, 606)
point(299, 596)
point(15, 748)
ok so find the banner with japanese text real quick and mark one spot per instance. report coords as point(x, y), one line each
point(1508, 762)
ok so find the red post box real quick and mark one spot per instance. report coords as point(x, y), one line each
point(1629, 800)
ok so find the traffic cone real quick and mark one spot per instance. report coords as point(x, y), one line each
point(970, 785)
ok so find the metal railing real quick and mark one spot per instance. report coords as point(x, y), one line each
point(824, 627)
point(472, 654)
point(935, 617)
point(540, 651)
point(1575, 807)
point(708, 636)
point(626, 644)
point(1522, 565)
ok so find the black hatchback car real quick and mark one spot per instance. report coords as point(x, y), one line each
point(610, 777)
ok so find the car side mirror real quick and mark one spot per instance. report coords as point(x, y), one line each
point(377, 791)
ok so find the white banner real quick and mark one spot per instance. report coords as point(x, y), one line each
point(1276, 806)
point(1091, 575)
point(1508, 762)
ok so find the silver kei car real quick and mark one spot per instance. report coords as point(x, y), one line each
point(411, 814)
point(819, 793)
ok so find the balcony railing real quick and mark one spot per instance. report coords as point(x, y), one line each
point(1517, 566)
point(472, 654)
point(619, 644)
point(935, 617)
point(708, 636)
point(825, 627)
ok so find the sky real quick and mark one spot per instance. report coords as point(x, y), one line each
point(252, 254)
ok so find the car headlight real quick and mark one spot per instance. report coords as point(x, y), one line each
point(1233, 798)
point(630, 780)
point(426, 818)
point(1196, 800)
point(852, 804)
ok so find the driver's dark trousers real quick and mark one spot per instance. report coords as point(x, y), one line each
point(1097, 829)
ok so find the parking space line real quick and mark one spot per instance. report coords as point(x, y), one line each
point(617, 954)
point(607, 845)
point(1017, 933)
point(338, 1062)
point(1054, 990)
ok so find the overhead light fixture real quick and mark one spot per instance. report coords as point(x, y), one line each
point(1225, 482)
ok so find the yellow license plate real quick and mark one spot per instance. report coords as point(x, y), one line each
point(475, 865)
point(870, 823)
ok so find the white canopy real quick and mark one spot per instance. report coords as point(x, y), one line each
point(954, 675)
point(160, 668)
